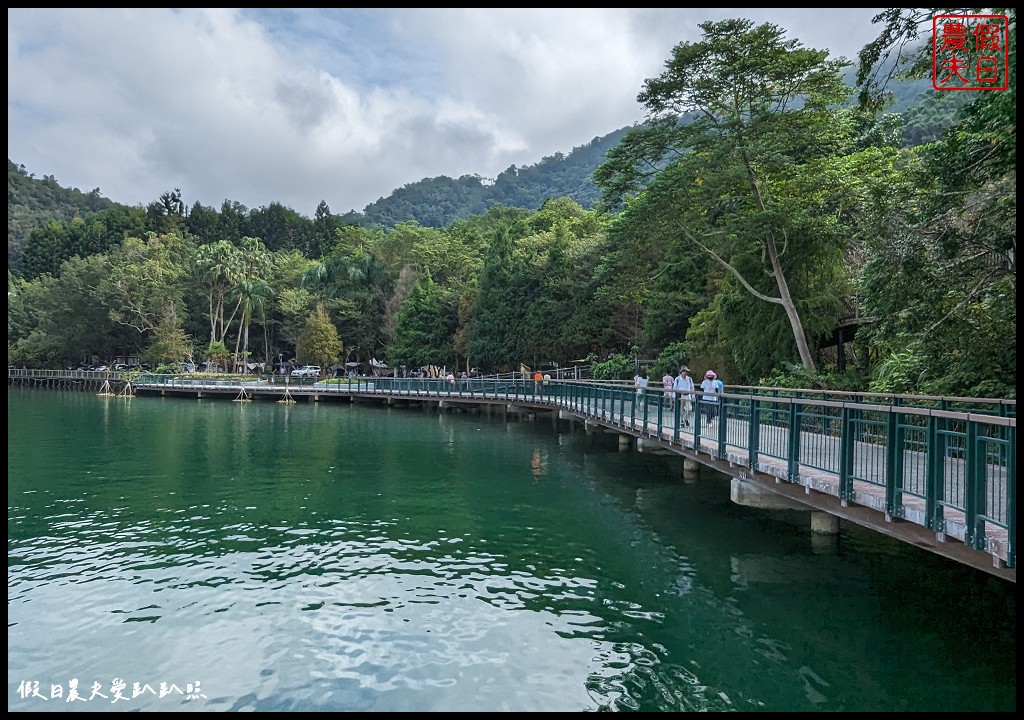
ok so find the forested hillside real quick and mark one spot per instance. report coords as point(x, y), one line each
point(715, 233)
point(436, 202)
point(34, 202)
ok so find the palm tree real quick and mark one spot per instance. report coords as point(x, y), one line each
point(253, 296)
point(252, 289)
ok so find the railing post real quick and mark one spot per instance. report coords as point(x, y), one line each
point(698, 421)
point(793, 461)
point(753, 434)
point(847, 442)
point(892, 451)
point(974, 463)
point(936, 476)
point(723, 427)
point(643, 402)
point(676, 415)
point(1011, 497)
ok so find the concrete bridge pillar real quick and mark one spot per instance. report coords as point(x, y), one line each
point(749, 494)
point(625, 442)
point(823, 523)
point(691, 470)
point(824, 544)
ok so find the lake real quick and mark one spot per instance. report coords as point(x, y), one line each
point(208, 555)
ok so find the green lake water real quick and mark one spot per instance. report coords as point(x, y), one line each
point(185, 555)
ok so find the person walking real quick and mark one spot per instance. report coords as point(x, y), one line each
point(666, 382)
point(709, 400)
point(683, 385)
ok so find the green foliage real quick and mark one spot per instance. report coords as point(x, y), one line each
point(671, 357)
point(940, 274)
point(218, 352)
point(319, 343)
point(900, 372)
point(423, 331)
point(617, 367)
point(798, 377)
point(749, 176)
point(733, 171)
point(438, 202)
point(497, 338)
point(50, 245)
point(55, 322)
point(35, 203)
point(170, 343)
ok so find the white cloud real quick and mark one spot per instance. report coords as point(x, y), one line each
point(298, 106)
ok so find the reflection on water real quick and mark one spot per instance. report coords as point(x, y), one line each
point(258, 556)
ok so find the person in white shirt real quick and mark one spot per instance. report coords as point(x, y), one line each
point(709, 400)
point(683, 385)
point(666, 383)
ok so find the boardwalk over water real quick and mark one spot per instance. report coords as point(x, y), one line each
point(936, 472)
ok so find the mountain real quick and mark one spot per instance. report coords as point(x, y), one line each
point(432, 202)
point(436, 202)
point(33, 203)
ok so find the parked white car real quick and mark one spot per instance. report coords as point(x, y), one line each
point(307, 371)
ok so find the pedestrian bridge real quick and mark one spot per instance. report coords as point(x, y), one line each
point(933, 471)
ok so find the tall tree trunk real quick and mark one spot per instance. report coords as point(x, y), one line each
point(787, 302)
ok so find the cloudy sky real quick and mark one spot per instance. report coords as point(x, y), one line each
point(346, 105)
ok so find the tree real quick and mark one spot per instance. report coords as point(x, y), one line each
point(423, 329)
point(55, 321)
point(253, 296)
point(496, 336)
point(324, 227)
point(741, 128)
point(218, 352)
point(281, 228)
point(319, 343)
point(940, 270)
point(253, 289)
point(144, 280)
point(170, 343)
point(356, 283)
point(218, 268)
